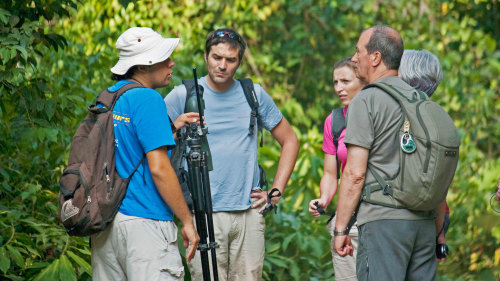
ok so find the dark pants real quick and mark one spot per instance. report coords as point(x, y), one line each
point(394, 250)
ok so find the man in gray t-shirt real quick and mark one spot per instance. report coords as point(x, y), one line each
point(394, 244)
point(237, 197)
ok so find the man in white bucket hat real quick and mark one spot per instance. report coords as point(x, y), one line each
point(141, 243)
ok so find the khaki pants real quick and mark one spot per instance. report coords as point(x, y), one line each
point(344, 267)
point(240, 235)
point(136, 249)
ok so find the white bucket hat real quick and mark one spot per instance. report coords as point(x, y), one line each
point(142, 46)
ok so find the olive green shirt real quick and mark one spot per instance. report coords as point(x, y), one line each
point(373, 119)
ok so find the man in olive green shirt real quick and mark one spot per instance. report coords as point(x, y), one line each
point(394, 244)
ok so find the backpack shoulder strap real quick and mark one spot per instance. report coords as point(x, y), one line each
point(107, 100)
point(397, 94)
point(249, 90)
point(400, 98)
point(255, 118)
point(253, 102)
point(338, 125)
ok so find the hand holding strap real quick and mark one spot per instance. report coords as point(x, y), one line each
point(322, 211)
point(269, 206)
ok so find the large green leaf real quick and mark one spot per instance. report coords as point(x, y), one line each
point(4, 260)
point(80, 262)
point(16, 256)
point(51, 272)
point(66, 270)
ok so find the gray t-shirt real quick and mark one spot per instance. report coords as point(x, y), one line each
point(373, 120)
point(234, 152)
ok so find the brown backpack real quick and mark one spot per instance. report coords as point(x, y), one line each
point(91, 191)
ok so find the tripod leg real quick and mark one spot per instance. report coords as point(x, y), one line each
point(195, 182)
point(209, 211)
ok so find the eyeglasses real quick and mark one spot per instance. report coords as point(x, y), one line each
point(229, 34)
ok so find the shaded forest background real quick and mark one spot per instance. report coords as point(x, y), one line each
point(55, 57)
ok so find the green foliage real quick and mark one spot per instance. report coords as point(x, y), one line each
point(56, 56)
point(36, 109)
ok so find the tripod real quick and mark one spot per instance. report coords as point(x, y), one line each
point(199, 185)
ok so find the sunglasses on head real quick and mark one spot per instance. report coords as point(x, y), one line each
point(229, 34)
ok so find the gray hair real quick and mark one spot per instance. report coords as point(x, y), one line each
point(421, 69)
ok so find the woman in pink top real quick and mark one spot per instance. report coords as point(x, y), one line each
point(346, 85)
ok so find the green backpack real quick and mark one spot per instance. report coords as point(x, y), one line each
point(428, 154)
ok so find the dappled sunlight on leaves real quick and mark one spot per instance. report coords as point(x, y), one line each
point(57, 58)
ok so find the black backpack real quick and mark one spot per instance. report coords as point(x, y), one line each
point(178, 153)
point(91, 190)
point(338, 125)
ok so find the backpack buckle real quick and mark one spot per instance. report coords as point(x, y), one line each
point(387, 190)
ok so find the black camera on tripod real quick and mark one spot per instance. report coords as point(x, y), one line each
point(199, 163)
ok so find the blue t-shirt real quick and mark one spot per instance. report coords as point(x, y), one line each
point(141, 125)
point(234, 152)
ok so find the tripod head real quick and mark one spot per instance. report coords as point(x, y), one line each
point(195, 103)
point(192, 100)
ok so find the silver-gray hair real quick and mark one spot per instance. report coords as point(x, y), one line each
point(421, 69)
